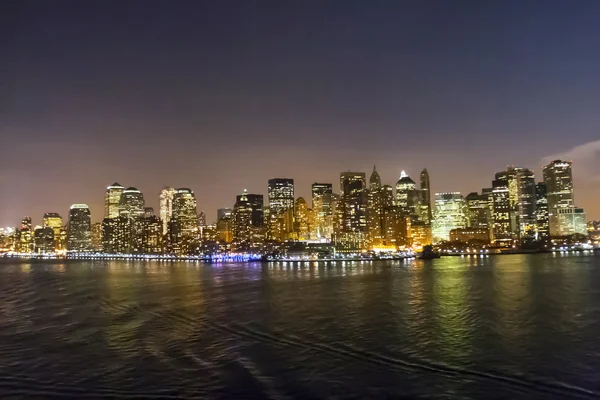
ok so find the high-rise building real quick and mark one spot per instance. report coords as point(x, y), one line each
point(281, 208)
point(449, 214)
point(353, 208)
point(558, 177)
point(223, 213)
point(501, 224)
point(201, 219)
point(322, 197)
point(150, 235)
point(184, 221)
point(166, 207)
point(426, 212)
point(242, 223)
point(131, 204)
point(55, 222)
point(112, 200)
point(302, 219)
point(375, 210)
point(256, 202)
point(96, 237)
point(408, 197)
point(571, 221)
point(541, 211)
point(26, 223)
point(525, 203)
point(44, 240)
point(478, 210)
point(79, 228)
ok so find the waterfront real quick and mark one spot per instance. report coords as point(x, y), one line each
point(515, 326)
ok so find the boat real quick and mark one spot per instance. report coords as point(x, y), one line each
point(428, 253)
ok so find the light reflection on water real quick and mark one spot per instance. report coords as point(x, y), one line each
point(518, 326)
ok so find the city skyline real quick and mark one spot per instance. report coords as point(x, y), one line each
point(98, 208)
point(205, 95)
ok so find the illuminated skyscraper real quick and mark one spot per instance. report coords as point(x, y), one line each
point(55, 222)
point(242, 224)
point(131, 204)
point(79, 228)
point(44, 240)
point(26, 223)
point(281, 208)
point(525, 203)
point(426, 212)
point(375, 210)
point(501, 226)
point(407, 195)
point(322, 198)
point(353, 210)
point(96, 237)
point(223, 213)
point(256, 202)
point(541, 211)
point(558, 177)
point(166, 207)
point(478, 210)
point(449, 214)
point(112, 200)
point(184, 221)
point(302, 219)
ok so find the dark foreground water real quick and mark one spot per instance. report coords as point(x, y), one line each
point(515, 327)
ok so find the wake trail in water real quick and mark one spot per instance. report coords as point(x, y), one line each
point(339, 349)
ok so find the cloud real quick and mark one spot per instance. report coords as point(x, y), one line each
point(586, 161)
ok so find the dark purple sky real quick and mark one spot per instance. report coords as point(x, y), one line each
point(221, 95)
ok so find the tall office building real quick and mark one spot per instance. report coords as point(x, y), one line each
point(184, 221)
point(79, 228)
point(541, 211)
point(43, 238)
point(242, 223)
point(281, 195)
point(501, 220)
point(426, 212)
point(526, 220)
point(450, 213)
point(223, 213)
point(26, 223)
point(375, 210)
point(478, 210)
point(571, 221)
point(166, 207)
point(131, 204)
point(224, 225)
point(558, 177)
point(55, 222)
point(302, 219)
point(257, 204)
point(322, 198)
point(112, 200)
point(407, 197)
point(281, 208)
point(353, 210)
point(96, 237)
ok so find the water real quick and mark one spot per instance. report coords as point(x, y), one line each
point(517, 327)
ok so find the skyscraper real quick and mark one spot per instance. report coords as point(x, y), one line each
point(558, 177)
point(541, 211)
point(43, 238)
point(375, 210)
point(256, 202)
point(166, 207)
point(426, 212)
point(112, 200)
point(407, 197)
point(79, 228)
point(353, 208)
point(131, 204)
point(322, 198)
point(449, 214)
point(242, 223)
point(302, 219)
point(281, 208)
point(525, 203)
point(501, 223)
point(55, 222)
point(184, 221)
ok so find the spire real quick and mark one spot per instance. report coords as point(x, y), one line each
point(403, 174)
point(244, 195)
point(374, 168)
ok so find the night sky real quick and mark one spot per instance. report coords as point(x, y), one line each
point(221, 95)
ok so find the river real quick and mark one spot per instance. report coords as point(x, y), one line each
point(495, 327)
